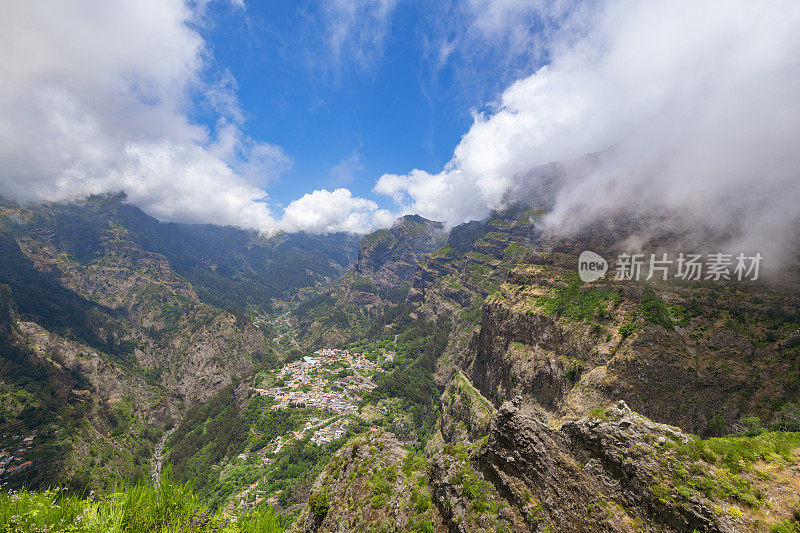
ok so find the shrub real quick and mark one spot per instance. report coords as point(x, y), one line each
point(320, 502)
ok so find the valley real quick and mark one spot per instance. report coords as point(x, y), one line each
point(415, 379)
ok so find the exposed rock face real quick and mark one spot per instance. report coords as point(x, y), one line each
point(465, 500)
point(466, 414)
point(371, 484)
point(591, 475)
point(692, 355)
point(380, 280)
point(389, 256)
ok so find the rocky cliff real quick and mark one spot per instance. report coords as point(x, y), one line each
point(144, 319)
point(569, 454)
point(371, 484)
point(700, 356)
point(378, 283)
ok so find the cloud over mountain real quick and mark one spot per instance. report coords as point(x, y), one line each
point(98, 96)
point(699, 101)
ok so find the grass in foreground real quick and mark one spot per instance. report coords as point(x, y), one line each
point(168, 508)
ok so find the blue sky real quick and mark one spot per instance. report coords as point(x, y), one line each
point(327, 115)
point(341, 115)
point(347, 120)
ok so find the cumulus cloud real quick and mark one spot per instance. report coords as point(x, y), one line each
point(96, 97)
point(324, 211)
point(699, 101)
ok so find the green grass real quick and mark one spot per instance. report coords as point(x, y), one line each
point(170, 507)
point(737, 453)
point(579, 302)
point(654, 310)
point(732, 455)
point(788, 526)
point(445, 250)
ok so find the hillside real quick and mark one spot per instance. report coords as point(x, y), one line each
point(429, 380)
point(133, 321)
point(712, 358)
point(378, 283)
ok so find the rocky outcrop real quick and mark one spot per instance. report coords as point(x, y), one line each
point(592, 475)
point(379, 281)
point(465, 500)
point(466, 414)
point(389, 256)
point(696, 356)
point(371, 484)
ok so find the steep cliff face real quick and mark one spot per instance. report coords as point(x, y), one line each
point(130, 304)
point(465, 412)
point(566, 455)
point(700, 356)
point(379, 281)
point(371, 484)
point(618, 471)
point(72, 404)
point(465, 499)
point(593, 475)
point(612, 471)
point(389, 257)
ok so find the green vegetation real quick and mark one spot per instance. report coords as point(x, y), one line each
point(626, 330)
point(208, 433)
point(379, 241)
point(365, 284)
point(653, 309)
point(396, 293)
point(515, 251)
point(419, 344)
point(320, 502)
point(169, 507)
point(732, 456)
point(379, 485)
point(204, 447)
point(474, 313)
point(788, 526)
point(444, 251)
point(580, 302)
point(738, 453)
point(481, 494)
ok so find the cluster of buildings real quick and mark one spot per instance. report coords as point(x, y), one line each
point(248, 499)
point(314, 381)
point(355, 361)
point(14, 464)
point(311, 382)
point(330, 432)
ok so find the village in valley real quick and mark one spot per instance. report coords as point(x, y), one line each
point(331, 380)
point(329, 383)
point(13, 453)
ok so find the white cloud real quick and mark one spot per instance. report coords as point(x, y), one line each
point(324, 211)
point(345, 171)
point(95, 97)
point(479, 46)
point(699, 100)
point(355, 31)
